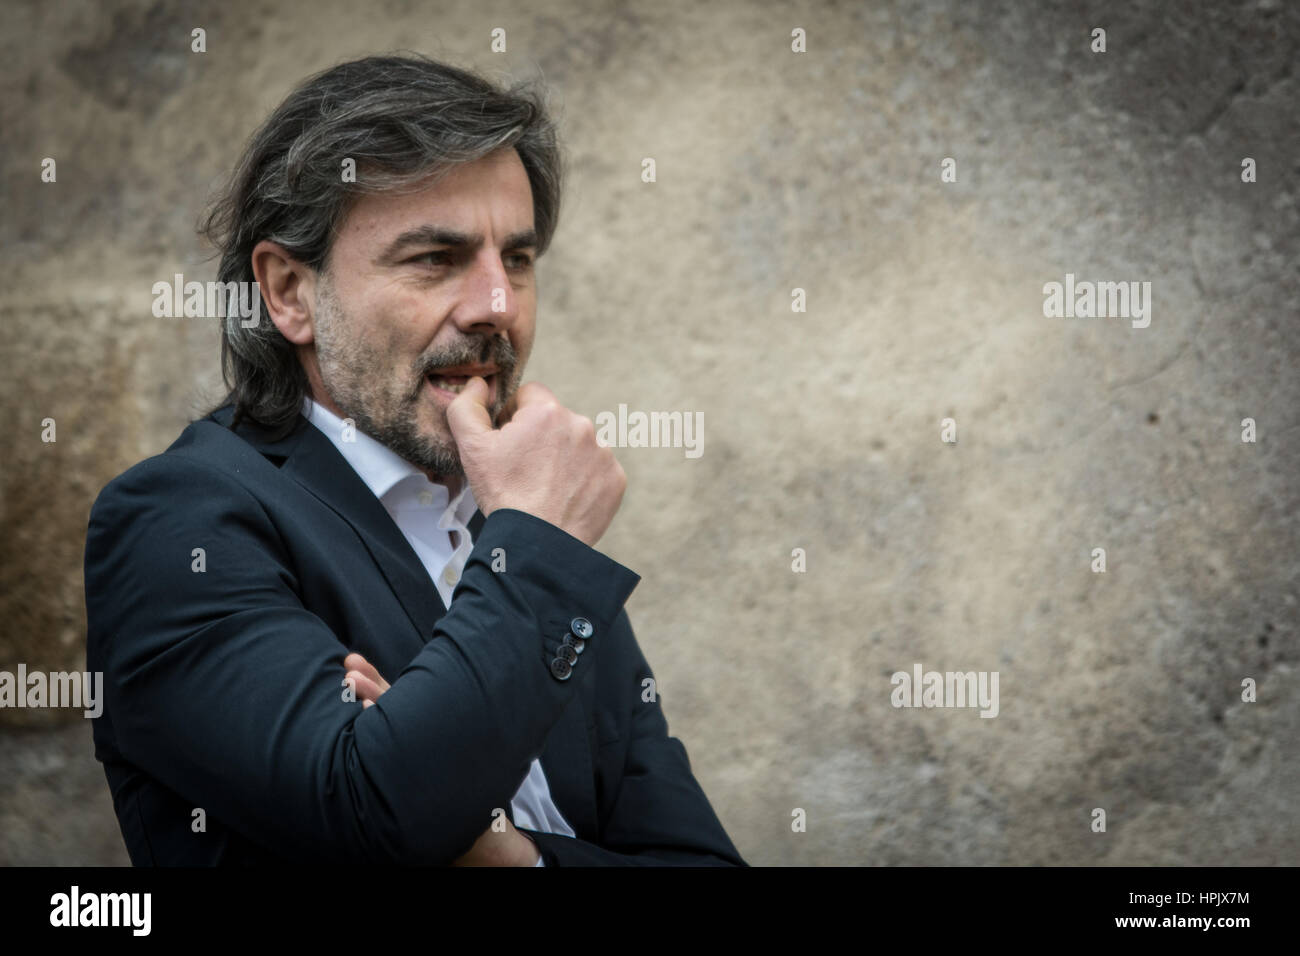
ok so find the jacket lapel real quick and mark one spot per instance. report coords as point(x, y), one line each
point(313, 461)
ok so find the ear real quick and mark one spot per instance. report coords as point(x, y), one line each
point(289, 289)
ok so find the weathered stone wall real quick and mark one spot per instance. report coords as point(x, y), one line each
point(779, 170)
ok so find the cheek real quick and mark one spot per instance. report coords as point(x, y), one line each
point(399, 339)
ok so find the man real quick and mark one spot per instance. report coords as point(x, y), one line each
point(355, 614)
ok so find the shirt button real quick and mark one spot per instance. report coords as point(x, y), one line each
point(581, 627)
point(561, 669)
point(450, 575)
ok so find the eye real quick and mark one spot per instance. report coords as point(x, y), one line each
point(522, 259)
point(439, 257)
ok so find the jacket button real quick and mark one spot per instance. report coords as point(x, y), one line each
point(561, 669)
point(567, 653)
point(576, 643)
point(581, 627)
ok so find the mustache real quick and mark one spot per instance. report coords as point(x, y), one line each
point(477, 350)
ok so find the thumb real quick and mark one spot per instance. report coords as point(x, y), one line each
point(467, 415)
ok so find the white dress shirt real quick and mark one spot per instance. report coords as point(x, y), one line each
point(424, 515)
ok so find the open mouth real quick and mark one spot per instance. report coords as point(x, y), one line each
point(452, 382)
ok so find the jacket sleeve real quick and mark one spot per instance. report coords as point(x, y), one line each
point(221, 685)
point(658, 814)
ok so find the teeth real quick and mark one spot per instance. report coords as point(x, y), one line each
point(443, 383)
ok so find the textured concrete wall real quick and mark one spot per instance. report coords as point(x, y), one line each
point(775, 170)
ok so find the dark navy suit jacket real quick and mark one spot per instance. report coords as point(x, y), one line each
point(224, 686)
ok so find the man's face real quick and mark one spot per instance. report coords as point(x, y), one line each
point(423, 290)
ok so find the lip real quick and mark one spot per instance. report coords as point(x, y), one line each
point(443, 395)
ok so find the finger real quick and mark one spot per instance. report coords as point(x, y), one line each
point(355, 662)
point(534, 393)
point(508, 409)
point(364, 687)
point(467, 415)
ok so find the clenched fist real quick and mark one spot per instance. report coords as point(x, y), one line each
point(544, 460)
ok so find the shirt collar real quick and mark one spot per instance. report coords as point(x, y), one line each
point(381, 468)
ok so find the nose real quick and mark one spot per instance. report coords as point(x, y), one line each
point(488, 304)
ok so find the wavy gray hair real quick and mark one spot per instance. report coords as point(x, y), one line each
point(401, 118)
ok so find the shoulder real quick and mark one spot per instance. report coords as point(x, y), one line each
point(208, 466)
point(210, 490)
point(208, 455)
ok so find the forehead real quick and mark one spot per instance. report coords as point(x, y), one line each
point(491, 196)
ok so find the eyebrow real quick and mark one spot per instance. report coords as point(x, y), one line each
point(439, 236)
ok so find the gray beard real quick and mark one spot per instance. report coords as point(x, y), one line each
point(400, 436)
point(342, 363)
